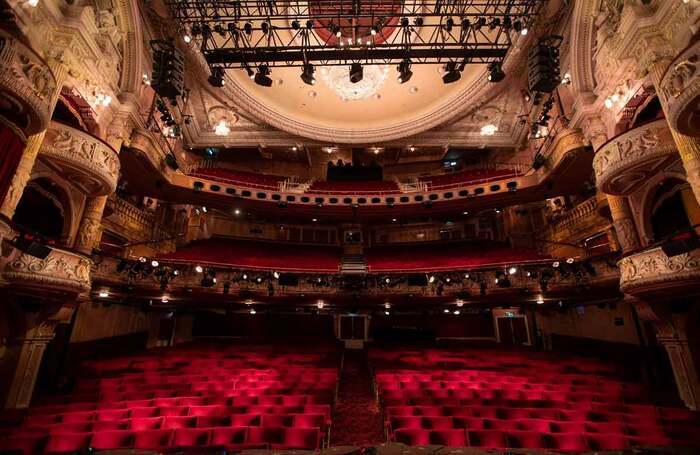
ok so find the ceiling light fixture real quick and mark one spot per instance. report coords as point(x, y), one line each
point(262, 77)
point(356, 73)
point(496, 73)
point(307, 75)
point(452, 74)
point(405, 73)
point(489, 130)
point(216, 79)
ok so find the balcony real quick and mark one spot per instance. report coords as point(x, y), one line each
point(652, 274)
point(27, 85)
point(85, 160)
point(135, 224)
point(628, 160)
point(61, 272)
point(577, 224)
point(680, 88)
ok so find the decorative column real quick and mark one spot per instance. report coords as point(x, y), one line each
point(24, 169)
point(624, 223)
point(89, 232)
point(688, 147)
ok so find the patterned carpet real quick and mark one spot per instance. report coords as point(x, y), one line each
point(357, 418)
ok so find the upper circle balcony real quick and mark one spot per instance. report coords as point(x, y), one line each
point(680, 88)
point(27, 86)
point(627, 161)
point(652, 274)
point(87, 161)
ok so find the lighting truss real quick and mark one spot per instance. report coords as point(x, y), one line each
point(248, 33)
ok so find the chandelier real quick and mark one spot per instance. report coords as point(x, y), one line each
point(337, 79)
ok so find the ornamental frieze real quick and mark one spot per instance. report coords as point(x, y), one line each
point(60, 271)
point(86, 160)
point(26, 84)
point(652, 271)
point(680, 89)
point(626, 161)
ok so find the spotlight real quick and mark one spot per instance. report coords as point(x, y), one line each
point(555, 264)
point(456, 312)
point(356, 73)
point(431, 279)
point(452, 74)
point(295, 24)
point(570, 261)
point(262, 77)
point(142, 259)
point(405, 73)
point(250, 72)
point(248, 27)
point(512, 270)
point(104, 294)
point(252, 311)
point(446, 310)
point(216, 79)
point(307, 75)
point(540, 301)
point(198, 269)
point(276, 275)
point(496, 74)
point(154, 263)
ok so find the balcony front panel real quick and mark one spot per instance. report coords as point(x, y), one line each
point(85, 160)
point(680, 88)
point(628, 160)
point(61, 271)
point(652, 273)
point(27, 86)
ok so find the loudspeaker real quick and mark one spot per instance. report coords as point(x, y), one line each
point(681, 246)
point(543, 67)
point(168, 78)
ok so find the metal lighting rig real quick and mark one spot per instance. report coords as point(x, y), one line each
point(268, 33)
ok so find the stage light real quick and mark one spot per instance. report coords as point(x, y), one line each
point(570, 260)
point(142, 259)
point(387, 280)
point(456, 312)
point(405, 73)
point(250, 72)
point(374, 30)
point(104, 294)
point(496, 74)
point(431, 279)
point(276, 275)
point(307, 75)
point(446, 310)
point(320, 304)
point(295, 24)
point(540, 301)
point(466, 275)
point(245, 276)
point(252, 311)
point(259, 280)
point(449, 23)
point(216, 79)
point(262, 77)
point(198, 269)
point(555, 264)
point(356, 73)
point(154, 263)
point(187, 38)
point(452, 74)
point(387, 305)
point(248, 27)
point(237, 212)
point(512, 270)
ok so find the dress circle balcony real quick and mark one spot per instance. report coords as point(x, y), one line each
point(27, 86)
point(653, 274)
point(626, 161)
point(86, 160)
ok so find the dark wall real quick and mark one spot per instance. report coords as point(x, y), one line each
point(421, 327)
point(262, 325)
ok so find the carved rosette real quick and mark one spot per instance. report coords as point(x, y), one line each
point(627, 161)
point(26, 86)
point(652, 273)
point(680, 90)
point(85, 160)
point(61, 271)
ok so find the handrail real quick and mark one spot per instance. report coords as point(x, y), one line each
point(574, 215)
point(463, 183)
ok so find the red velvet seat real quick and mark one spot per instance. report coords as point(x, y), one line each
point(536, 425)
point(212, 421)
point(187, 438)
point(233, 438)
point(152, 439)
point(605, 427)
point(273, 436)
point(137, 413)
point(448, 437)
point(299, 438)
point(277, 420)
point(174, 411)
point(246, 420)
point(67, 442)
point(501, 425)
point(468, 423)
point(437, 423)
point(602, 441)
point(110, 425)
point(146, 423)
point(112, 439)
point(568, 427)
point(309, 421)
point(572, 442)
point(112, 414)
point(525, 440)
point(412, 436)
point(491, 439)
point(76, 427)
point(173, 422)
point(397, 422)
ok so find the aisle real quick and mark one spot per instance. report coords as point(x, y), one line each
point(357, 420)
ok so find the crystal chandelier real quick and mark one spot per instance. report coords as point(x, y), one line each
point(337, 78)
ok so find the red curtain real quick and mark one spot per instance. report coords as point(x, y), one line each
point(11, 148)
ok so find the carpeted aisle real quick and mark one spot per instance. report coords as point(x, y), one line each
point(357, 420)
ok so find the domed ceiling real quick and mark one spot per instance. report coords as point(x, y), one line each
point(377, 110)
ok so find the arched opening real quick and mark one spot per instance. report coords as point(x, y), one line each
point(673, 209)
point(65, 113)
point(44, 210)
point(648, 112)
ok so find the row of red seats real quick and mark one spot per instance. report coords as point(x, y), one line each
point(438, 396)
point(172, 411)
point(230, 438)
point(489, 379)
point(215, 375)
point(364, 187)
point(172, 422)
point(496, 402)
point(600, 413)
point(539, 425)
point(495, 439)
point(466, 177)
